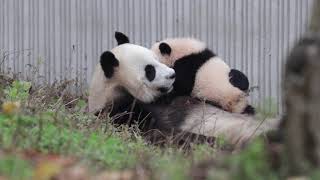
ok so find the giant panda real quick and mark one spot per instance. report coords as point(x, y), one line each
point(131, 67)
point(202, 74)
point(188, 118)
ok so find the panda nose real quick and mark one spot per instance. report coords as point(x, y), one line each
point(172, 76)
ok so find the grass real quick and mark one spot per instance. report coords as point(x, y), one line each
point(15, 168)
point(50, 121)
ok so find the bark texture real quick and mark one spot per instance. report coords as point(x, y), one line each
point(315, 19)
point(301, 124)
point(301, 86)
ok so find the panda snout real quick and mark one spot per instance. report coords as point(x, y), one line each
point(171, 76)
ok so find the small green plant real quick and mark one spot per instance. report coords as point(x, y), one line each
point(173, 163)
point(65, 128)
point(13, 129)
point(220, 142)
point(315, 174)
point(15, 168)
point(23, 132)
point(18, 91)
point(252, 163)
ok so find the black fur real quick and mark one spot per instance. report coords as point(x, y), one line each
point(121, 38)
point(239, 80)
point(108, 62)
point(158, 121)
point(186, 69)
point(169, 116)
point(164, 48)
point(150, 72)
point(249, 110)
point(172, 76)
point(154, 115)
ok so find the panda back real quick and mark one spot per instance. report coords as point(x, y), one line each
point(186, 70)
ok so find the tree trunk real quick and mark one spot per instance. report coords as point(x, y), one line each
point(315, 24)
point(302, 101)
point(301, 124)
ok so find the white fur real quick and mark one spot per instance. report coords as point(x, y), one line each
point(212, 83)
point(180, 47)
point(102, 91)
point(212, 79)
point(130, 74)
point(237, 129)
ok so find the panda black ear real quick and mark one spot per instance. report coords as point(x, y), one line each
point(121, 38)
point(239, 80)
point(108, 62)
point(165, 49)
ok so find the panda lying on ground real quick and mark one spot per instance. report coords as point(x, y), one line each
point(129, 78)
point(202, 74)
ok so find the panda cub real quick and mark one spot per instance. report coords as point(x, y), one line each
point(202, 74)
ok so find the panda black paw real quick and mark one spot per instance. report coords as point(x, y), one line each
point(249, 110)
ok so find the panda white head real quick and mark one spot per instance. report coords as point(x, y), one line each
point(137, 70)
point(171, 49)
point(133, 68)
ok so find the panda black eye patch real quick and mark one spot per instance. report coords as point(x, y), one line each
point(150, 72)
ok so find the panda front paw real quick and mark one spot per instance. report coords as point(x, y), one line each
point(249, 110)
